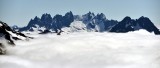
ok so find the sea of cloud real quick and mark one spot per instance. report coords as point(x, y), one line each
point(138, 49)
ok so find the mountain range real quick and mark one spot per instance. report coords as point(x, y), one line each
point(92, 22)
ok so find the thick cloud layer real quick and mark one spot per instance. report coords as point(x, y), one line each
point(138, 49)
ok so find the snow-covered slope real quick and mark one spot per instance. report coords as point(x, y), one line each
point(138, 49)
point(9, 34)
point(76, 26)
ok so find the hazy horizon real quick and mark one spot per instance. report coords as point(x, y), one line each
point(19, 12)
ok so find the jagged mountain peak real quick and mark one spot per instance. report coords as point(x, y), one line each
point(57, 16)
point(126, 19)
point(36, 18)
point(128, 24)
point(45, 16)
point(69, 13)
point(100, 16)
point(89, 15)
point(146, 23)
point(144, 19)
point(34, 21)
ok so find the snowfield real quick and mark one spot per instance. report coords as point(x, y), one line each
point(138, 49)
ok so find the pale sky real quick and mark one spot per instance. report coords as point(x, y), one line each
point(19, 12)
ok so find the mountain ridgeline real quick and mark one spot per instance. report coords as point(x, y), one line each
point(97, 23)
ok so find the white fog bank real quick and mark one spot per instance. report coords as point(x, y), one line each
point(138, 49)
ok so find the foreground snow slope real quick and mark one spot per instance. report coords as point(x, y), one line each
point(138, 49)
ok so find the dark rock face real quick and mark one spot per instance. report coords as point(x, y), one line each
point(125, 25)
point(146, 23)
point(109, 24)
point(58, 22)
point(68, 19)
point(45, 32)
point(128, 24)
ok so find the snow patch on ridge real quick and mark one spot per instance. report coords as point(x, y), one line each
point(38, 28)
point(76, 26)
point(15, 35)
